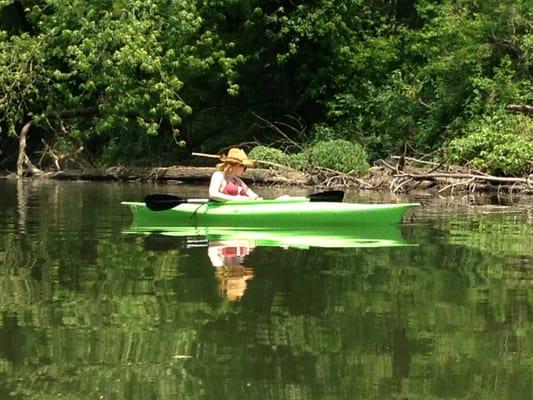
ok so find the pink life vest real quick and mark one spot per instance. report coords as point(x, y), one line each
point(234, 189)
point(240, 251)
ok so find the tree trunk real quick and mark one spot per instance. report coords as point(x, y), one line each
point(23, 162)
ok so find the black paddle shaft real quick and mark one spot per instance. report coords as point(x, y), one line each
point(163, 201)
point(330, 196)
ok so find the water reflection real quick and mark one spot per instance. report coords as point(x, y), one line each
point(228, 249)
point(302, 238)
point(88, 313)
point(228, 258)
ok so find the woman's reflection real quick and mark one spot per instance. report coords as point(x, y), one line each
point(227, 257)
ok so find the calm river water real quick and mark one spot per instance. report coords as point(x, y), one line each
point(90, 311)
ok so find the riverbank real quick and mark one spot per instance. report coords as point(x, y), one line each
point(171, 174)
point(397, 175)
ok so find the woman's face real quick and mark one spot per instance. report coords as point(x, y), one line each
point(239, 169)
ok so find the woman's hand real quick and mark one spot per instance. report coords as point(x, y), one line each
point(252, 195)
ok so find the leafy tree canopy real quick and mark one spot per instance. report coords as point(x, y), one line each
point(131, 79)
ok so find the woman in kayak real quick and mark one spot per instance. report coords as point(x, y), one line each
point(226, 183)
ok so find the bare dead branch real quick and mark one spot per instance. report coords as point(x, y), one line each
point(257, 161)
point(487, 178)
point(274, 127)
point(520, 108)
point(462, 183)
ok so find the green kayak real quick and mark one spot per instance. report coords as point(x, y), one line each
point(268, 214)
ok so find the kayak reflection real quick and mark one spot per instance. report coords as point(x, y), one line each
point(228, 257)
point(367, 236)
point(229, 248)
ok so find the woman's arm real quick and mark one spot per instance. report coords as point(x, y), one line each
point(249, 192)
point(252, 195)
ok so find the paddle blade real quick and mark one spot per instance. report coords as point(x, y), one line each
point(330, 195)
point(162, 201)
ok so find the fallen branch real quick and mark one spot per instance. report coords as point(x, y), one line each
point(175, 174)
point(462, 183)
point(345, 177)
point(520, 108)
point(487, 178)
point(59, 157)
point(386, 165)
point(446, 177)
point(257, 161)
point(416, 160)
point(400, 185)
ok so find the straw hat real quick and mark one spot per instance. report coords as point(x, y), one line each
point(237, 156)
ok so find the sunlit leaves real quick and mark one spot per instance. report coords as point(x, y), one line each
point(128, 60)
point(422, 79)
point(379, 73)
point(501, 145)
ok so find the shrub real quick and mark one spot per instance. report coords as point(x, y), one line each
point(500, 145)
point(269, 154)
point(273, 155)
point(339, 155)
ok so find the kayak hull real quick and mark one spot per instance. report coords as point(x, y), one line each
point(271, 214)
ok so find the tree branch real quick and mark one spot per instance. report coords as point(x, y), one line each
point(520, 108)
point(23, 159)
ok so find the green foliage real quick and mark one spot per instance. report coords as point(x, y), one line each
point(339, 155)
point(138, 149)
point(273, 155)
point(431, 74)
point(382, 74)
point(269, 154)
point(102, 69)
point(501, 145)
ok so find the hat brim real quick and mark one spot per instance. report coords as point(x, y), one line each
point(247, 162)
